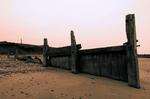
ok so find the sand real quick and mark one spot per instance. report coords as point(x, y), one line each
point(53, 83)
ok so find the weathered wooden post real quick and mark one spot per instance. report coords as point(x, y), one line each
point(132, 59)
point(45, 49)
point(74, 68)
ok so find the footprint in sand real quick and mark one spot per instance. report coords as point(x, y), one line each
point(93, 82)
point(11, 89)
point(90, 94)
point(31, 79)
point(2, 93)
point(62, 94)
point(12, 95)
point(26, 94)
point(22, 83)
point(28, 86)
point(21, 92)
point(38, 83)
point(66, 95)
point(73, 98)
point(52, 90)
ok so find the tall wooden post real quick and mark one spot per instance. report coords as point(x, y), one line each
point(45, 49)
point(73, 54)
point(132, 59)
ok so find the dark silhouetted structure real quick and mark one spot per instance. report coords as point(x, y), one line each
point(116, 62)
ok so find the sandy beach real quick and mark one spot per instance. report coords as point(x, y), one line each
point(19, 80)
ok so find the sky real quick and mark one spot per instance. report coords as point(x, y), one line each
point(96, 23)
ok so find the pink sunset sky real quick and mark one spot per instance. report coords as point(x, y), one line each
point(96, 23)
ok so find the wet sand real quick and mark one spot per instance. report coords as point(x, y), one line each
point(55, 83)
